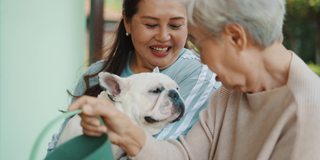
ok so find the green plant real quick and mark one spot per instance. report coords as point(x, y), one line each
point(302, 29)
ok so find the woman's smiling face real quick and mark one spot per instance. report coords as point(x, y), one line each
point(158, 31)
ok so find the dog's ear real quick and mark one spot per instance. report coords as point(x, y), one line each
point(114, 84)
point(156, 70)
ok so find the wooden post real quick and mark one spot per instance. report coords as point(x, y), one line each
point(96, 22)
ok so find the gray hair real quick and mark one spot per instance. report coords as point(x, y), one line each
point(262, 19)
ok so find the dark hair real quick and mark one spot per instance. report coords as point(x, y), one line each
point(119, 51)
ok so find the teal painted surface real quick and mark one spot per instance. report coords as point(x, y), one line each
point(42, 45)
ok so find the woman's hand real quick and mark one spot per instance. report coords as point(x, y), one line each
point(119, 127)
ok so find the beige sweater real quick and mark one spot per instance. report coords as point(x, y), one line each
point(283, 123)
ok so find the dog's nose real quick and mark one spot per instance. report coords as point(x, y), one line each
point(178, 103)
point(173, 94)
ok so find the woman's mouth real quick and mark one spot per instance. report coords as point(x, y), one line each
point(160, 51)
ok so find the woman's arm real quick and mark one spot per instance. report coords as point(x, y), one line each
point(133, 140)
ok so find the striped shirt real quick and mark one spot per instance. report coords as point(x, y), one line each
point(196, 83)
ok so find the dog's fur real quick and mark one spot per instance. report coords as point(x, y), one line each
point(151, 100)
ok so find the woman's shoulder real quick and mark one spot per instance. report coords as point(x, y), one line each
point(95, 67)
point(188, 67)
point(187, 59)
point(188, 62)
point(189, 55)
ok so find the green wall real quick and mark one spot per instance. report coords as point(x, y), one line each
point(42, 45)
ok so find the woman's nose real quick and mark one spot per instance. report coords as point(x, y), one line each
point(163, 34)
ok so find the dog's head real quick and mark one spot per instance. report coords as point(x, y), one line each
point(151, 100)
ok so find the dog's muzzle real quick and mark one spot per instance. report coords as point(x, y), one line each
point(177, 103)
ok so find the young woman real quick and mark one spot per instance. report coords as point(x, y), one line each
point(152, 34)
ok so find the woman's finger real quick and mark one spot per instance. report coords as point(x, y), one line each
point(94, 106)
point(92, 133)
point(90, 120)
point(96, 130)
point(104, 108)
point(93, 128)
point(83, 100)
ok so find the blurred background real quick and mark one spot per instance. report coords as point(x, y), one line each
point(46, 45)
point(301, 29)
point(42, 54)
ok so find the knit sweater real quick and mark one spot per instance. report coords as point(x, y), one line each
point(282, 123)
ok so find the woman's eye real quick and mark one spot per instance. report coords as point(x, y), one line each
point(175, 26)
point(151, 25)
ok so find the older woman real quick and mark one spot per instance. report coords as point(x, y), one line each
point(269, 107)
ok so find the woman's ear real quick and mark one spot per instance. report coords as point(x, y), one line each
point(237, 35)
point(127, 25)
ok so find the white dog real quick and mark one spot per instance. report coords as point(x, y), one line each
point(151, 100)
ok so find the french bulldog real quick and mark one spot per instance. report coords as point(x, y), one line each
point(150, 99)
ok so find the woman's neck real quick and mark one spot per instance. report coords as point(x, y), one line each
point(138, 67)
point(275, 67)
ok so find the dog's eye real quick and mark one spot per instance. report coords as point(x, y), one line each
point(157, 90)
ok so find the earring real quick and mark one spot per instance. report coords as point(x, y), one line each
point(127, 34)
